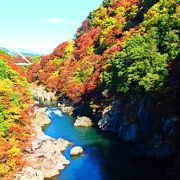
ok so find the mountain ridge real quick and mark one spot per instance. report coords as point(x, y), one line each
point(25, 52)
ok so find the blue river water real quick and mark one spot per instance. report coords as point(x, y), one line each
point(104, 158)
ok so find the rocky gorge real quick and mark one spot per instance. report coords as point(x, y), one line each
point(121, 70)
point(45, 158)
point(132, 118)
point(94, 146)
point(137, 127)
point(46, 155)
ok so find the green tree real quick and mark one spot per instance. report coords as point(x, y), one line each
point(139, 67)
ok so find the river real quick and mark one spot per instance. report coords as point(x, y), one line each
point(104, 158)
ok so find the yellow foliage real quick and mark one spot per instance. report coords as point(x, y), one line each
point(5, 86)
point(4, 169)
point(90, 50)
point(69, 49)
point(14, 151)
point(102, 19)
point(120, 11)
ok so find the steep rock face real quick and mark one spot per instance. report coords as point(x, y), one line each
point(116, 121)
point(111, 117)
point(136, 122)
point(128, 132)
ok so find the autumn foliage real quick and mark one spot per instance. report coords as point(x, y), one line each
point(15, 119)
point(125, 46)
point(77, 67)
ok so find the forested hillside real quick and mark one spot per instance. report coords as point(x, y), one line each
point(15, 119)
point(122, 69)
point(125, 45)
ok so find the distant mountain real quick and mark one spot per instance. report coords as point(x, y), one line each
point(4, 49)
point(25, 52)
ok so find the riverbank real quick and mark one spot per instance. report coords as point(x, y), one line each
point(135, 127)
point(45, 157)
point(104, 157)
point(110, 118)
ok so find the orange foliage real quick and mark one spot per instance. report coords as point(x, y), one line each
point(80, 72)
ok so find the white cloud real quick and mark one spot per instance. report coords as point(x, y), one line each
point(57, 21)
point(53, 20)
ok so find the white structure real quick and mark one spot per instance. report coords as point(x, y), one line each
point(20, 54)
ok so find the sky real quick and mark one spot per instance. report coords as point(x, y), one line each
point(40, 25)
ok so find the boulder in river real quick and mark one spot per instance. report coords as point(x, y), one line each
point(83, 122)
point(77, 150)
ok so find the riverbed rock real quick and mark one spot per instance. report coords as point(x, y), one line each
point(42, 95)
point(77, 150)
point(41, 117)
point(45, 158)
point(30, 173)
point(66, 109)
point(83, 122)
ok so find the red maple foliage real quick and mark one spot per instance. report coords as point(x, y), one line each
point(60, 50)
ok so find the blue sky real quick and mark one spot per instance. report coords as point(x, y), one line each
point(41, 25)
